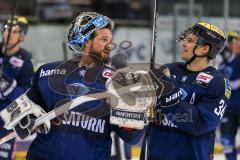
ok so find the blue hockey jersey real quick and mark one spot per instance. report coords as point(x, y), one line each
point(230, 67)
point(20, 68)
point(83, 132)
point(187, 131)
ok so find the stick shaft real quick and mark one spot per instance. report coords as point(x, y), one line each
point(68, 106)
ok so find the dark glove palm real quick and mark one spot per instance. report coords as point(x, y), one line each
point(25, 127)
point(169, 93)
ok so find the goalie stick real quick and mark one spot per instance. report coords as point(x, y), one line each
point(152, 65)
point(72, 104)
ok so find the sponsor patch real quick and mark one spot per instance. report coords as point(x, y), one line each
point(107, 73)
point(44, 73)
point(206, 78)
point(227, 88)
point(16, 62)
point(203, 79)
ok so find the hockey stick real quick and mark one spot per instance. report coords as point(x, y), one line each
point(9, 34)
point(152, 65)
point(154, 33)
point(74, 103)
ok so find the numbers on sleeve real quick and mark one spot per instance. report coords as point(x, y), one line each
point(219, 111)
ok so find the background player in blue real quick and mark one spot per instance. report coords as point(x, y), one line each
point(230, 121)
point(83, 132)
point(17, 71)
point(188, 115)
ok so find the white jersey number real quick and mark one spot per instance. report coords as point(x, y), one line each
point(219, 111)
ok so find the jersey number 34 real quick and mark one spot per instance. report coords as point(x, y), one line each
point(219, 111)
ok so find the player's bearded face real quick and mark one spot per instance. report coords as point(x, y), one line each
point(188, 46)
point(101, 44)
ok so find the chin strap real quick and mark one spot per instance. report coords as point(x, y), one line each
point(6, 48)
point(194, 56)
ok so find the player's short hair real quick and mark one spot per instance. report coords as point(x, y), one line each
point(83, 28)
point(206, 34)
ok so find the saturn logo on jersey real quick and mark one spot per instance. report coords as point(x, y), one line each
point(78, 119)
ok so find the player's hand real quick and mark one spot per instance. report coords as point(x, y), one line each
point(20, 116)
point(25, 127)
point(7, 85)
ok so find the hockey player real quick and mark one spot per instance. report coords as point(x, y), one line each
point(188, 115)
point(83, 132)
point(230, 121)
point(16, 72)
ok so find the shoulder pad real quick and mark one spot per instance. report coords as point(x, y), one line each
point(220, 85)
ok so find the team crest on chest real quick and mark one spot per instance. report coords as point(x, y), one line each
point(82, 72)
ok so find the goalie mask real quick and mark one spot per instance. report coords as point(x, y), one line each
point(206, 34)
point(83, 28)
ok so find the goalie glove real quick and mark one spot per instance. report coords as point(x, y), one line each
point(20, 116)
point(130, 110)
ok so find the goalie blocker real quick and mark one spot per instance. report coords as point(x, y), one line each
point(20, 116)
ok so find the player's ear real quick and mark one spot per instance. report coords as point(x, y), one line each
point(87, 44)
point(22, 36)
point(205, 49)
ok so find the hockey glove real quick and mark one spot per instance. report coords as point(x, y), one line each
point(20, 116)
point(171, 96)
point(7, 85)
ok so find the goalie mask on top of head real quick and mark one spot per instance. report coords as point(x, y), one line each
point(84, 26)
point(206, 34)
